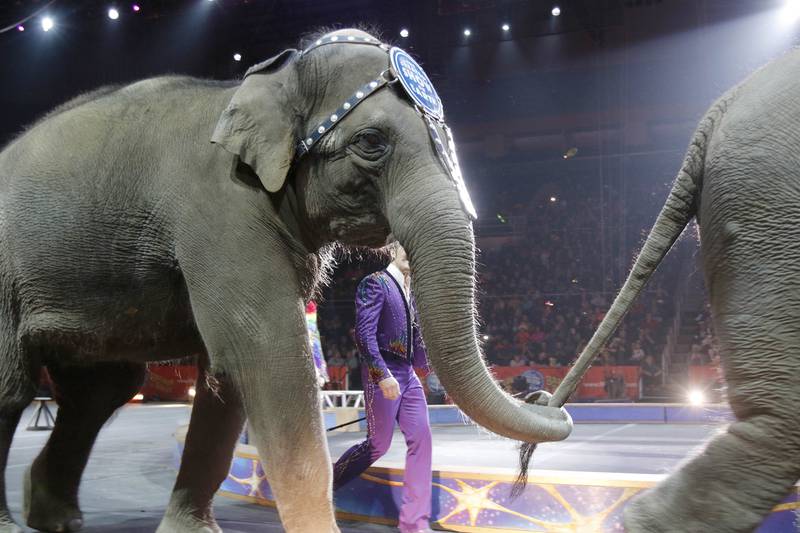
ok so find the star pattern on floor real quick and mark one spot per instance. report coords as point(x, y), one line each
point(474, 499)
point(253, 482)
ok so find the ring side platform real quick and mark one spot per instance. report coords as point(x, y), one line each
point(578, 485)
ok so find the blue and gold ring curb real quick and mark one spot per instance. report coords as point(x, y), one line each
point(476, 499)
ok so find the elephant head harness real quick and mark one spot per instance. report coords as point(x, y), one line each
point(417, 87)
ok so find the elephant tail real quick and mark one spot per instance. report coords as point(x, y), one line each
point(678, 211)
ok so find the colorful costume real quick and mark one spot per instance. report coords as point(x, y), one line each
point(390, 345)
point(316, 344)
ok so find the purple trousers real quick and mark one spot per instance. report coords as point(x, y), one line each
point(411, 412)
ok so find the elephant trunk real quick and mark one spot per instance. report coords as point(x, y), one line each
point(438, 238)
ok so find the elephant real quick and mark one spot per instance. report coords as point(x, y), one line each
point(175, 216)
point(740, 180)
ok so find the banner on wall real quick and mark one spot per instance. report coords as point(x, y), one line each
point(169, 383)
point(172, 383)
point(594, 385)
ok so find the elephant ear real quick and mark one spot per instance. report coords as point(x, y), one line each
point(257, 126)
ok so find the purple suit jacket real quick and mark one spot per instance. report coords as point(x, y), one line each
point(386, 325)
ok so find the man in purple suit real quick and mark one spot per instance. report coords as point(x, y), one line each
point(389, 341)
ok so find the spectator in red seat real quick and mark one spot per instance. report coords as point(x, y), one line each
point(518, 360)
point(637, 353)
point(696, 356)
point(336, 359)
point(651, 376)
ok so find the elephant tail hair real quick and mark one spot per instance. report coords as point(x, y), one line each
point(679, 209)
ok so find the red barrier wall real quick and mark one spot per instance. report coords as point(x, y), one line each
point(705, 375)
point(170, 383)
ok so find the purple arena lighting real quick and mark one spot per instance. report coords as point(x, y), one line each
point(136, 8)
point(20, 28)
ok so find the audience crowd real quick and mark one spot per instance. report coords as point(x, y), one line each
point(544, 284)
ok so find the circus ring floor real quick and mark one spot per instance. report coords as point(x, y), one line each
point(131, 471)
point(580, 485)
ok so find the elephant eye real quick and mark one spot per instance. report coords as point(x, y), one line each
point(369, 144)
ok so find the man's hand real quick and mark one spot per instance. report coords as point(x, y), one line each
point(390, 388)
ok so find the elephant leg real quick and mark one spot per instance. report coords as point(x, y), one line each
point(747, 470)
point(217, 420)
point(267, 357)
point(282, 405)
point(87, 396)
point(17, 389)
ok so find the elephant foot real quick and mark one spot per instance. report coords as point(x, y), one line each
point(44, 511)
point(186, 523)
point(7, 525)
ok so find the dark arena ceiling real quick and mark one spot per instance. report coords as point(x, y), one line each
point(601, 72)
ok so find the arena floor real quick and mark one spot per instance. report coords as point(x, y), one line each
point(131, 471)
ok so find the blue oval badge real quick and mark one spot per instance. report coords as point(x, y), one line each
point(416, 82)
point(534, 378)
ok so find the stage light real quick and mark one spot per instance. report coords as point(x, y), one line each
point(113, 14)
point(192, 392)
point(505, 27)
point(696, 397)
point(553, 199)
point(790, 12)
point(47, 23)
point(237, 57)
point(556, 11)
point(548, 303)
point(136, 8)
point(404, 33)
point(467, 32)
point(486, 337)
point(20, 28)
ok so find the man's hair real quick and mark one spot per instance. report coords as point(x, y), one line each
point(392, 249)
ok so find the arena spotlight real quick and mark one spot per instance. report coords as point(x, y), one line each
point(696, 397)
point(20, 28)
point(556, 11)
point(237, 57)
point(113, 14)
point(505, 27)
point(136, 8)
point(790, 11)
point(47, 24)
point(467, 32)
point(404, 33)
point(486, 337)
point(553, 199)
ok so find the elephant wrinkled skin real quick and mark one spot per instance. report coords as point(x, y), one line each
point(127, 237)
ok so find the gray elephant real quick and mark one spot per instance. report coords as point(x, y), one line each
point(125, 234)
point(741, 180)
